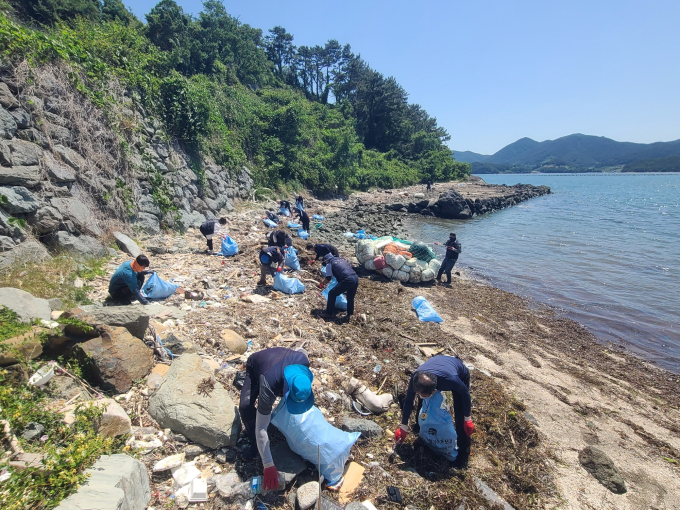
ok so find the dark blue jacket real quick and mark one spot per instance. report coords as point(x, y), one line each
point(266, 367)
point(275, 253)
point(452, 249)
point(341, 269)
point(324, 249)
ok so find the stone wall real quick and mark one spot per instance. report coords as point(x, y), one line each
point(71, 173)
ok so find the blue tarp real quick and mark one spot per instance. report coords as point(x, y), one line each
point(317, 217)
point(292, 224)
point(425, 311)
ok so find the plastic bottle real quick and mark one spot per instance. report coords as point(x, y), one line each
point(257, 484)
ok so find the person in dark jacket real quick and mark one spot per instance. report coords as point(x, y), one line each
point(212, 228)
point(429, 186)
point(348, 283)
point(300, 203)
point(285, 208)
point(271, 216)
point(279, 238)
point(304, 219)
point(442, 373)
point(321, 250)
point(128, 280)
point(271, 262)
point(452, 251)
point(272, 373)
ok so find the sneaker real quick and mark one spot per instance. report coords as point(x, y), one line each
point(262, 283)
point(336, 486)
point(326, 315)
point(249, 452)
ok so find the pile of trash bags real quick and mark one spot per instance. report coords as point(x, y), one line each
point(398, 259)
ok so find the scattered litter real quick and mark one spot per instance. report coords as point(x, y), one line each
point(42, 376)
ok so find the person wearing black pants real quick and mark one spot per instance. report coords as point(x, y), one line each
point(348, 283)
point(304, 218)
point(453, 249)
point(442, 373)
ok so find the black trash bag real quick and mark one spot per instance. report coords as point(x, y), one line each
point(239, 379)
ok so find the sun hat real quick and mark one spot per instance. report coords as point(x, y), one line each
point(265, 258)
point(299, 397)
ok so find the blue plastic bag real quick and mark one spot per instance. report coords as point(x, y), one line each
point(348, 234)
point(317, 217)
point(229, 247)
point(285, 212)
point(269, 223)
point(303, 234)
point(307, 431)
point(288, 285)
point(437, 429)
point(425, 311)
point(292, 224)
point(341, 300)
point(292, 258)
point(157, 288)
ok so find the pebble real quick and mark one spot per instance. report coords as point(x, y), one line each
point(307, 495)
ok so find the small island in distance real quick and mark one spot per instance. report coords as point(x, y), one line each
point(575, 154)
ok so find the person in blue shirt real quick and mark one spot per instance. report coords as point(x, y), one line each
point(348, 283)
point(128, 280)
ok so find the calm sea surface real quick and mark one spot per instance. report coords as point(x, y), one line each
point(604, 248)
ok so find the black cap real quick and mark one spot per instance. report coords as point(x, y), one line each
point(452, 234)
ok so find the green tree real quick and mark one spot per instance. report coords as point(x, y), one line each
point(280, 49)
point(49, 12)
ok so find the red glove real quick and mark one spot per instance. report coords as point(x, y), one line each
point(321, 285)
point(400, 435)
point(279, 269)
point(469, 427)
point(271, 479)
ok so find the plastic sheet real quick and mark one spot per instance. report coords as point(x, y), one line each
point(437, 429)
point(302, 234)
point(229, 247)
point(269, 223)
point(157, 288)
point(285, 212)
point(307, 431)
point(425, 311)
point(317, 217)
point(292, 259)
point(288, 285)
point(293, 225)
point(341, 300)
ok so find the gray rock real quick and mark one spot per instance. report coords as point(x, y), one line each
point(29, 251)
point(78, 246)
point(58, 172)
point(146, 204)
point(19, 200)
point(126, 244)
point(308, 495)
point(161, 149)
point(116, 482)
point(194, 450)
point(367, 428)
point(78, 213)
point(598, 464)
point(134, 318)
point(178, 343)
point(56, 303)
point(56, 119)
point(20, 153)
point(6, 243)
point(212, 420)
point(354, 505)
point(46, 219)
point(33, 431)
point(8, 126)
point(530, 418)
point(287, 461)
point(57, 133)
point(191, 219)
point(494, 499)
point(7, 99)
point(452, 205)
point(28, 176)
point(21, 117)
point(70, 157)
point(118, 358)
point(24, 304)
point(34, 135)
point(160, 167)
point(147, 223)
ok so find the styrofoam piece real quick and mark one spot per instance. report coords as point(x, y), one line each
point(369, 505)
point(42, 376)
point(184, 474)
point(198, 490)
point(173, 461)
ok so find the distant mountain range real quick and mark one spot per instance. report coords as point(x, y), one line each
point(576, 153)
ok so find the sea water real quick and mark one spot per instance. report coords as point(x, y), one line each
point(603, 248)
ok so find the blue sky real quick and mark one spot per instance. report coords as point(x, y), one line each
point(493, 71)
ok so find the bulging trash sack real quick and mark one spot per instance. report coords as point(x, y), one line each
point(369, 265)
point(340, 301)
point(388, 271)
point(427, 276)
point(303, 234)
point(291, 259)
point(434, 264)
point(292, 224)
point(285, 212)
point(229, 247)
point(425, 311)
point(157, 288)
point(365, 250)
point(307, 431)
point(317, 217)
point(288, 285)
point(437, 429)
point(379, 263)
point(269, 223)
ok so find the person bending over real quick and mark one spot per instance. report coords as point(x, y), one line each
point(271, 373)
point(279, 238)
point(212, 228)
point(442, 373)
point(304, 218)
point(321, 250)
point(128, 280)
point(348, 283)
point(271, 262)
point(300, 203)
point(285, 208)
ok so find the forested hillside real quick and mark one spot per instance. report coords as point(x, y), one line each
point(317, 116)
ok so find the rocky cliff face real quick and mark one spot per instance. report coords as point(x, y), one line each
point(70, 173)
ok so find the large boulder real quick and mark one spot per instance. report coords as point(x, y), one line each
point(452, 205)
point(20, 153)
point(29, 251)
point(6, 243)
point(134, 318)
point(24, 304)
point(46, 219)
point(126, 244)
point(28, 176)
point(191, 219)
point(147, 223)
point(116, 482)
point(119, 358)
point(78, 246)
point(113, 421)
point(7, 99)
point(21, 348)
point(78, 213)
point(234, 342)
point(18, 200)
point(8, 126)
point(70, 157)
point(598, 464)
point(58, 172)
point(209, 418)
